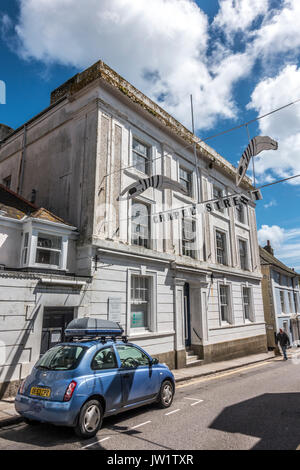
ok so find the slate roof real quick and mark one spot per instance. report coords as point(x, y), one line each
point(14, 206)
point(267, 258)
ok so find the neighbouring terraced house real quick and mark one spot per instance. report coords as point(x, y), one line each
point(185, 284)
point(280, 287)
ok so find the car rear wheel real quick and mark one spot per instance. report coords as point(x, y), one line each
point(166, 394)
point(90, 419)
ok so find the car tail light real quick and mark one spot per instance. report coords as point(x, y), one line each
point(70, 390)
point(22, 386)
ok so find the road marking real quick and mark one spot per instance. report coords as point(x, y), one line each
point(97, 442)
point(139, 425)
point(171, 412)
point(218, 375)
point(197, 400)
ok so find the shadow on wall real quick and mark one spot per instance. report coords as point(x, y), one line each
point(14, 360)
point(272, 417)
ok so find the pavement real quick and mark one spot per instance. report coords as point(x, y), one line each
point(8, 415)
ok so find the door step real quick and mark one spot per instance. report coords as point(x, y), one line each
point(192, 359)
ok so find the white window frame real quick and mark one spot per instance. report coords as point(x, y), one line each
point(150, 225)
point(282, 302)
point(190, 182)
point(33, 250)
point(149, 147)
point(225, 247)
point(229, 320)
point(247, 264)
point(152, 309)
point(222, 191)
point(251, 318)
point(193, 221)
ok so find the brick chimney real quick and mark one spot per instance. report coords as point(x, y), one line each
point(268, 248)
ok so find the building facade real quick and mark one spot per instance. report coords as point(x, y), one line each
point(177, 274)
point(280, 287)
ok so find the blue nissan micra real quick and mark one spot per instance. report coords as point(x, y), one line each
point(77, 383)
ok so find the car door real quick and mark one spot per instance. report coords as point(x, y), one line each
point(108, 378)
point(139, 378)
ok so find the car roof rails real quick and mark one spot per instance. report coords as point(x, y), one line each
point(94, 329)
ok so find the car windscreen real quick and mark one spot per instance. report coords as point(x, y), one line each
point(61, 357)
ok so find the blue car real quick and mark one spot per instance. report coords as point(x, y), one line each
point(78, 383)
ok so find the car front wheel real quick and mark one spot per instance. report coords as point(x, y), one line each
point(90, 419)
point(166, 394)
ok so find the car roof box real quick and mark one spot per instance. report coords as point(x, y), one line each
point(93, 327)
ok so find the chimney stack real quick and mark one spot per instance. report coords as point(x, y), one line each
point(5, 131)
point(268, 248)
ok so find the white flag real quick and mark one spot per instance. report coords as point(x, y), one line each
point(156, 181)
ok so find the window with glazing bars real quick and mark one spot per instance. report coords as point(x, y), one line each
point(141, 156)
point(48, 249)
point(188, 237)
point(240, 213)
point(282, 303)
point(218, 194)
point(185, 178)
point(224, 303)
point(139, 302)
point(221, 247)
point(243, 254)
point(140, 224)
point(247, 303)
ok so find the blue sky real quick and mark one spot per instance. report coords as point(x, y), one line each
point(239, 59)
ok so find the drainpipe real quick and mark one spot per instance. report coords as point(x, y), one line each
point(22, 164)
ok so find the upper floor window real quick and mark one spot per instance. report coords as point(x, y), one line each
point(218, 194)
point(188, 237)
point(243, 254)
point(140, 224)
point(185, 178)
point(141, 156)
point(221, 247)
point(240, 213)
point(277, 277)
point(290, 302)
point(282, 302)
point(48, 250)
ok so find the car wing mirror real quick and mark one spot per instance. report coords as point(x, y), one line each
point(154, 361)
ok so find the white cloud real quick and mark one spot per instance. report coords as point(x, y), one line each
point(161, 46)
point(283, 126)
point(280, 31)
point(238, 15)
point(285, 242)
point(166, 48)
point(270, 204)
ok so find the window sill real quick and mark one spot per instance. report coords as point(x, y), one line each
point(149, 334)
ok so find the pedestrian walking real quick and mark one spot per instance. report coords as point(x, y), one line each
point(284, 341)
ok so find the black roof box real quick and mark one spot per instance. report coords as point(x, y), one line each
point(88, 326)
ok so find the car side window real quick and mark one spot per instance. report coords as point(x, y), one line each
point(132, 357)
point(104, 359)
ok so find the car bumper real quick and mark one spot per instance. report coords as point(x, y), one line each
point(45, 411)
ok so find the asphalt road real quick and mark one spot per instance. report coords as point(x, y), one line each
point(255, 407)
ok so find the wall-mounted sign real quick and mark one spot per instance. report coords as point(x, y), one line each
point(114, 309)
point(256, 145)
point(156, 181)
point(209, 206)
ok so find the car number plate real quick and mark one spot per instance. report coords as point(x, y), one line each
point(40, 392)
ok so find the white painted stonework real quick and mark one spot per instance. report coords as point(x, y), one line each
point(74, 154)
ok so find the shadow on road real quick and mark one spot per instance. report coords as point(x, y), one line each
point(272, 417)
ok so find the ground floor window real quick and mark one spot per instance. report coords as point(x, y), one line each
point(224, 303)
point(140, 302)
point(247, 303)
